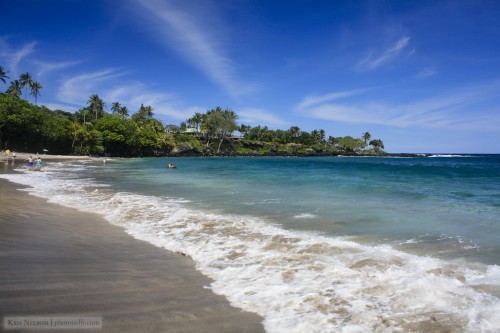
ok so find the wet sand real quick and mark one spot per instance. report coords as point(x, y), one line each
point(56, 261)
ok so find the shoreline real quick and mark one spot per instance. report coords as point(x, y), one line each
point(58, 261)
point(22, 157)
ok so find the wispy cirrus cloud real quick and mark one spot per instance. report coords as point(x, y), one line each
point(426, 72)
point(460, 109)
point(111, 87)
point(380, 57)
point(13, 57)
point(312, 100)
point(27, 54)
point(44, 67)
point(77, 89)
point(133, 94)
point(260, 116)
point(190, 35)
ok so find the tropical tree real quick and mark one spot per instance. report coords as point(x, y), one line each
point(294, 133)
point(334, 141)
point(123, 112)
point(144, 113)
point(26, 81)
point(115, 132)
point(244, 129)
point(350, 144)
point(322, 135)
point(196, 121)
point(318, 136)
point(116, 108)
point(82, 114)
point(219, 124)
point(377, 144)
point(75, 130)
point(90, 141)
point(15, 89)
point(35, 90)
point(96, 106)
point(3, 75)
point(20, 122)
point(366, 137)
point(183, 126)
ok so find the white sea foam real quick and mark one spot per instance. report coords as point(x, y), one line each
point(448, 155)
point(304, 216)
point(298, 281)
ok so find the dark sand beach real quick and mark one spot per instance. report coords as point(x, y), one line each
point(56, 261)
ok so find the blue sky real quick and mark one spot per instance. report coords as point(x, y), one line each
point(424, 76)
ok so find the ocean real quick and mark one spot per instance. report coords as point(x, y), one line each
point(320, 244)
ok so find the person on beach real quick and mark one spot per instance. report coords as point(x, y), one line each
point(14, 155)
point(30, 161)
point(38, 165)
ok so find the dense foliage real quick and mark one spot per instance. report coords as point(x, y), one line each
point(92, 131)
point(27, 127)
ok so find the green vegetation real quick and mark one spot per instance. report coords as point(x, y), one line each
point(92, 131)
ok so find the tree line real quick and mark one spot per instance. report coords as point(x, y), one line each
point(93, 131)
point(25, 82)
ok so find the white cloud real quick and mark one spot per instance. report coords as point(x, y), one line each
point(260, 116)
point(375, 59)
point(77, 90)
point(14, 57)
point(426, 72)
point(47, 67)
point(174, 111)
point(311, 100)
point(186, 33)
point(453, 110)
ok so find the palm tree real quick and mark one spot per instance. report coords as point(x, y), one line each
point(15, 89)
point(116, 107)
point(293, 133)
point(123, 112)
point(35, 89)
point(96, 105)
point(147, 111)
point(316, 136)
point(144, 113)
point(196, 121)
point(322, 135)
point(75, 129)
point(3, 75)
point(26, 81)
point(244, 129)
point(366, 136)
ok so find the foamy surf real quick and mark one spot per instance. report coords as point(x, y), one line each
point(298, 281)
point(304, 216)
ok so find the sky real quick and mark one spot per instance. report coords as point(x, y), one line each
point(423, 76)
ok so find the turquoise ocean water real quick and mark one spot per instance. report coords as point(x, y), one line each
point(323, 244)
